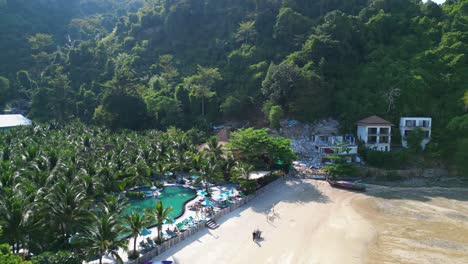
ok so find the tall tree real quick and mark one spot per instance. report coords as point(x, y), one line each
point(160, 214)
point(134, 223)
point(200, 85)
point(103, 236)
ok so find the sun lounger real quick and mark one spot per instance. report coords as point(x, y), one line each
point(151, 242)
point(181, 227)
point(144, 247)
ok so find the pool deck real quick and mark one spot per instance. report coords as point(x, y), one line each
point(215, 190)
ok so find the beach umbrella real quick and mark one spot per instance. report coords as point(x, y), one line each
point(202, 193)
point(172, 221)
point(207, 202)
point(145, 232)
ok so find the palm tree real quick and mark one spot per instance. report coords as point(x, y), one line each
point(240, 174)
point(139, 174)
point(208, 171)
point(102, 236)
point(135, 223)
point(15, 218)
point(161, 215)
point(67, 206)
point(241, 171)
point(214, 148)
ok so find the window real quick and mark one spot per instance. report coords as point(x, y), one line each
point(410, 123)
point(384, 139)
point(372, 140)
point(384, 131)
point(425, 123)
point(372, 131)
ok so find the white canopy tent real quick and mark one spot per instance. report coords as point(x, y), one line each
point(7, 121)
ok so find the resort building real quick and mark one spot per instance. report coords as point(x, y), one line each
point(338, 145)
point(408, 124)
point(9, 121)
point(375, 132)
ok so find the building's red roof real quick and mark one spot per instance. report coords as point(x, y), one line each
point(374, 120)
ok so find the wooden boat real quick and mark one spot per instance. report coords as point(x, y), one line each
point(355, 186)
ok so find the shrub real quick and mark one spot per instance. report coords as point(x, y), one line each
point(135, 195)
point(159, 184)
point(387, 160)
point(59, 257)
point(248, 186)
point(274, 116)
point(270, 178)
point(414, 139)
point(7, 257)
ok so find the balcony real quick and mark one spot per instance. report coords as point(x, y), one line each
point(379, 135)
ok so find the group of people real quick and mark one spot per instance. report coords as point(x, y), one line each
point(176, 230)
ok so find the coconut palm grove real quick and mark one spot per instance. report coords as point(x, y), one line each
point(125, 100)
point(62, 186)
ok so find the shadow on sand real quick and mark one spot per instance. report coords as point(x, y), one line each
point(292, 190)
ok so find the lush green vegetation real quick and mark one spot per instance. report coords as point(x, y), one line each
point(7, 257)
point(60, 181)
point(261, 150)
point(154, 64)
point(51, 177)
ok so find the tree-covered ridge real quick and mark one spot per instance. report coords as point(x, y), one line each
point(187, 62)
point(66, 21)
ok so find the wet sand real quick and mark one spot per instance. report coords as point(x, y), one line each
point(417, 225)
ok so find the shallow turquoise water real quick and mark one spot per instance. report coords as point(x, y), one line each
point(174, 196)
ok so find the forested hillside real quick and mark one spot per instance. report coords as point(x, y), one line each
point(159, 63)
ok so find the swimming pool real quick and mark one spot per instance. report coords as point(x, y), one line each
point(175, 196)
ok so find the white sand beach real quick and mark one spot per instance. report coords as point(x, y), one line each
point(313, 224)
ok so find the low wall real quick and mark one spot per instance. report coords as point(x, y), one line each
point(181, 237)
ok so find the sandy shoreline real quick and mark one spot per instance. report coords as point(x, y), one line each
point(318, 224)
point(314, 224)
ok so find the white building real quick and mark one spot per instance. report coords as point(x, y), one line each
point(408, 124)
point(9, 121)
point(338, 145)
point(376, 133)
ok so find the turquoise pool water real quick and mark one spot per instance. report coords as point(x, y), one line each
point(174, 196)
